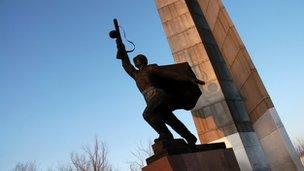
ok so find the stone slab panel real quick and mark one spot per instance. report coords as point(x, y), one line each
point(210, 135)
point(260, 109)
point(165, 14)
point(276, 143)
point(267, 123)
point(213, 121)
point(194, 55)
point(240, 69)
point(172, 10)
point(291, 150)
point(205, 72)
point(178, 24)
point(247, 149)
point(204, 4)
point(276, 151)
point(251, 93)
point(163, 3)
point(184, 40)
point(219, 33)
point(230, 48)
point(212, 12)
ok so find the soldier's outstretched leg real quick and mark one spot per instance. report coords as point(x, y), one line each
point(153, 117)
point(179, 127)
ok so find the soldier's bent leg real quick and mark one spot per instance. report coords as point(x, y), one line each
point(157, 123)
point(179, 127)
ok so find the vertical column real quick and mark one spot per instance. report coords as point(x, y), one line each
point(266, 122)
point(220, 113)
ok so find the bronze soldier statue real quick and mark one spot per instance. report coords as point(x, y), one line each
point(165, 88)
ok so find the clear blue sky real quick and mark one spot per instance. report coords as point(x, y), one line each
point(61, 84)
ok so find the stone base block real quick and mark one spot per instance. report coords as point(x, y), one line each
point(200, 157)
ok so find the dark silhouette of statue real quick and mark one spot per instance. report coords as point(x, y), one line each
point(165, 89)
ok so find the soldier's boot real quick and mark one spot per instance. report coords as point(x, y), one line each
point(191, 139)
point(180, 128)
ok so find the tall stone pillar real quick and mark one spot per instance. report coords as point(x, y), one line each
point(235, 107)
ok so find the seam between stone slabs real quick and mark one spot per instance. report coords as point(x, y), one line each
point(173, 17)
point(272, 164)
point(217, 16)
point(218, 20)
point(226, 125)
point(219, 101)
point(206, 7)
point(236, 56)
point(171, 4)
point(165, 22)
point(192, 46)
point(272, 130)
point(239, 46)
point(244, 82)
point(264, 98)
point(177, 34)
point(247, 78)
point(226, 35)
point(189, 47)
point(201, 62)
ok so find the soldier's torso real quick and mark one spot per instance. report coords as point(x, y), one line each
point(144, 78)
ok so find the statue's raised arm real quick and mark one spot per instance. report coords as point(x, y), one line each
point(121, 50)
point(123, 55)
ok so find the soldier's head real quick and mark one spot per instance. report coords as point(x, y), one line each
point(140, 61)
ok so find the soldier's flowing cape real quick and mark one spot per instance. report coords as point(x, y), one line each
point(175, 81)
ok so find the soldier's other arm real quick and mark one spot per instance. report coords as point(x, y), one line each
point(126, 64)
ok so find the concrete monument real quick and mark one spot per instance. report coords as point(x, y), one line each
point(235, 107)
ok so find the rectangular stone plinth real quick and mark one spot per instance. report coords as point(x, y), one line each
point(179, 146)
point(220, 160)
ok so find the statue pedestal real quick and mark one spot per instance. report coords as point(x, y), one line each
point(178, 156)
